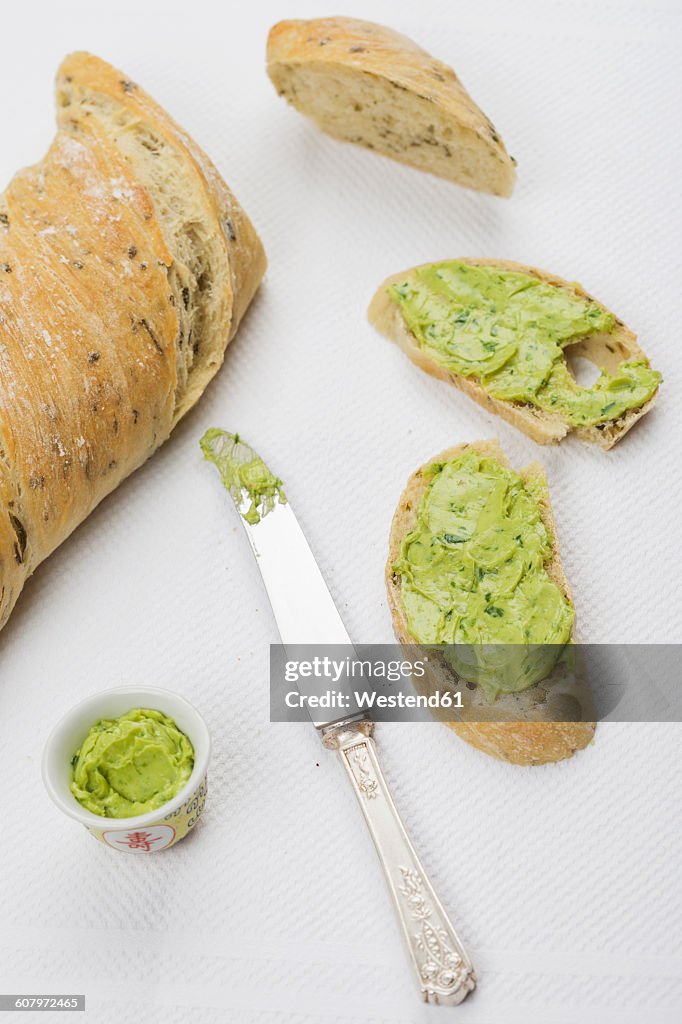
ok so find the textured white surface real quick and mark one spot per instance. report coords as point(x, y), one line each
point(564, 880)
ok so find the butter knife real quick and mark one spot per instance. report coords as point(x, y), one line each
point(306, 614)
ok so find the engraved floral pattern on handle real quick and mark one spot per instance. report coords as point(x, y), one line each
point(443, 970)
point(441, 965)
point(362, 770)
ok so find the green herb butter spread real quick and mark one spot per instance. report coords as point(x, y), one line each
point(508, 330)
point(243, 473)
point(472, 572)
point(130, 765)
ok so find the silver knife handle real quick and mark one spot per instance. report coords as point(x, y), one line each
point(444, 971)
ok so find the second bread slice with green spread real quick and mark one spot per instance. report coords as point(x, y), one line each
point(500, 332)
point(493, 545)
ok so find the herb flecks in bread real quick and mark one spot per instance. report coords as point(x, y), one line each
point(472, 572)
point(120, 288)
point(532, 724)
point(364, 83)
point(501, 332)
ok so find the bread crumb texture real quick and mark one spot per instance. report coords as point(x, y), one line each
point(367, 84)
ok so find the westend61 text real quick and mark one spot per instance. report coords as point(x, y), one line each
point(369, 699)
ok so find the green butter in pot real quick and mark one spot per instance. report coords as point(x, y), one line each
point(473, 574)
point(508, 330)
point(130, 765)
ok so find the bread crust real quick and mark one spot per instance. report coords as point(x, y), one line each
point(89, 326)
point(348, 49)
point(83, 74)
point(544, 428)
point(519, 742)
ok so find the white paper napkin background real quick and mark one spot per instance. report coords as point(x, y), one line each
point(564, 880)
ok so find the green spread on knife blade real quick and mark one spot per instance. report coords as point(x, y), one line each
point(509, 329)
point(473, 575)
point(243, 472)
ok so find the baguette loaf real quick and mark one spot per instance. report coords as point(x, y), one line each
point(516, 731)
point(125, 267)
point(367, 84)
point(605, 350)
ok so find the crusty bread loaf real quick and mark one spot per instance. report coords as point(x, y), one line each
point(218, 259)
point(367, 84)
point(125, 267)
point(604, 350)
point(526, 727)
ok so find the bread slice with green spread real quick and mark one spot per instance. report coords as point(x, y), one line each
point(474, 566)
point(500, 332)
point(367, 84)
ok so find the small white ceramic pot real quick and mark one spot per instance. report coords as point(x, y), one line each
point(147, 833)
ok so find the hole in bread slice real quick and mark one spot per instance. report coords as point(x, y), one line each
point(584, 371)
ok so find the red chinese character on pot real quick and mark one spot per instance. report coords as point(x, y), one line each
point(139, 841)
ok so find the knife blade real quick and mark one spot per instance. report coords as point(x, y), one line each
point(304, 609)
point(305, 613)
